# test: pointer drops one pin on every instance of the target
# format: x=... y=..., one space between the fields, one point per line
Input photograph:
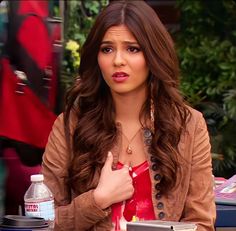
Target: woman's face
x=122 y=62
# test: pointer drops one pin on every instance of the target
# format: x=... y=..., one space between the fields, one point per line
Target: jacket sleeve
x=71 y=213
x=200 y=204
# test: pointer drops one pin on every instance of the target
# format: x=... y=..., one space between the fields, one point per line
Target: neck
x=128 y=107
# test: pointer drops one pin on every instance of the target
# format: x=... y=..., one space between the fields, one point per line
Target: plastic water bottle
x=39 y=201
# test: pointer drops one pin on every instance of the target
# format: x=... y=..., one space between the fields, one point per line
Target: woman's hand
x=113 y=186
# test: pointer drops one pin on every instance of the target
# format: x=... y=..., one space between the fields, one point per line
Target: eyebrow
x=124 y=42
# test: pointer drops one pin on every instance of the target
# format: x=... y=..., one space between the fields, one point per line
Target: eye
x=106 y=50
x=133 y=49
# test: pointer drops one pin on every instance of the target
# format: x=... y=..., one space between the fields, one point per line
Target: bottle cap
x=36 y=177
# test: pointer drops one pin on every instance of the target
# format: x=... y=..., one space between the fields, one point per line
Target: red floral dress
x=140 y=205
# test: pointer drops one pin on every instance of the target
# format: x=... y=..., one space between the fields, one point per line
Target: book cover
x=226 y=215
x=219 y=181
x=226 y=192
x=156 y=225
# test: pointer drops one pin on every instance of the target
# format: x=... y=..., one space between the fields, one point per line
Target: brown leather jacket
x=192 y=200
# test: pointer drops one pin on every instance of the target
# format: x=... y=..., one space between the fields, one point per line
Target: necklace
x=129 y=148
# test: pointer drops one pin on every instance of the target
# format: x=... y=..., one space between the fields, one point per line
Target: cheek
x=138 y=61
x=104 y=68
x=100 y=62
x=141 y=66
x=103 y=63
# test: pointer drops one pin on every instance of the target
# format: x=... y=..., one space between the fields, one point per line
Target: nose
x=119 y=59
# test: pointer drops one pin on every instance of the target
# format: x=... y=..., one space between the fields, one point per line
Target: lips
x=120 y=77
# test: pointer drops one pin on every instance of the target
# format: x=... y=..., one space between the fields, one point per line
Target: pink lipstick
x=120 y=77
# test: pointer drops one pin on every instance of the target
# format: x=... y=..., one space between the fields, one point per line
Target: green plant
x=206 y=45
x=79 y=17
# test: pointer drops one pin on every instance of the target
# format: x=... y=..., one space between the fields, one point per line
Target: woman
x=127 y=145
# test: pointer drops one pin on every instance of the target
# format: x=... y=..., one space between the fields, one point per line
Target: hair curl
x=90 y=98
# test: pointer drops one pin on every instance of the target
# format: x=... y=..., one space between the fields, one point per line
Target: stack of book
x=157 y=225
x=225 y=193
x=225 y=198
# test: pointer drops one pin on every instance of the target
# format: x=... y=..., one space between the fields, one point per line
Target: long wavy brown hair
x=91 y=101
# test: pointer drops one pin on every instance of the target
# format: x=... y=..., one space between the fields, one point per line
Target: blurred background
x=39 y=58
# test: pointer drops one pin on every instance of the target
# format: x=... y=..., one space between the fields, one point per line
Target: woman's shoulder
x=194 y=112
x=60 y=120
x=195 y=119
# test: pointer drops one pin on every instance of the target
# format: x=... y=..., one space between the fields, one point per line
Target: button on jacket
x=191 y=200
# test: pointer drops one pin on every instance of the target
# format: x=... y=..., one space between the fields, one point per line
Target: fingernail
x=109 y=154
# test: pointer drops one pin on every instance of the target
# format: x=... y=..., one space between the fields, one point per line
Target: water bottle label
x=42 y=209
